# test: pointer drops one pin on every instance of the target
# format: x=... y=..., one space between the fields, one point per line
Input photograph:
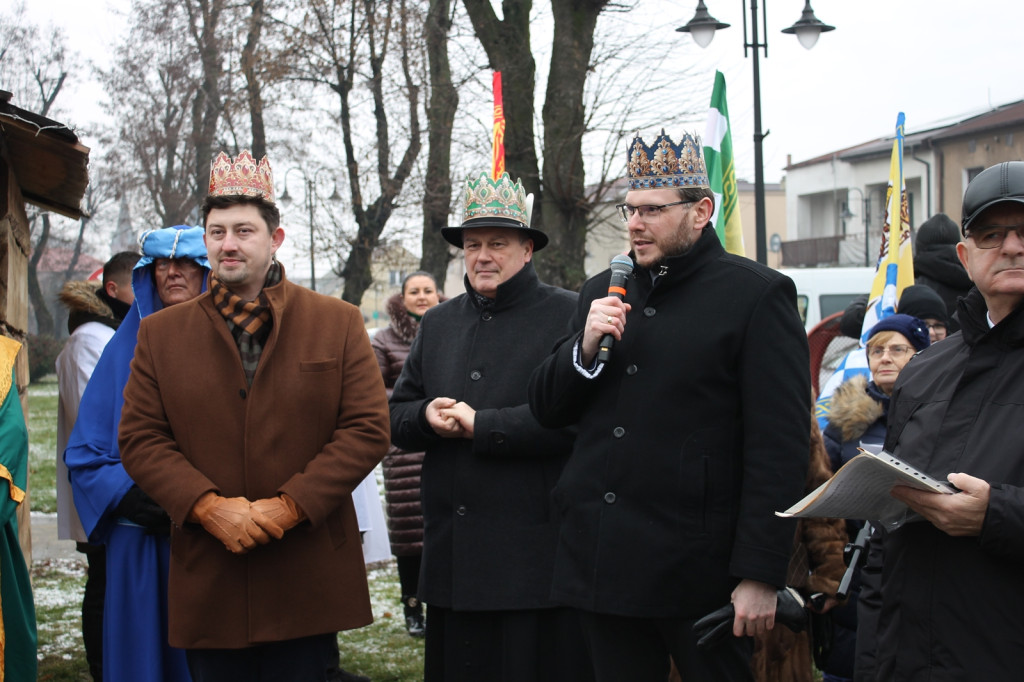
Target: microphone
x=621 y=267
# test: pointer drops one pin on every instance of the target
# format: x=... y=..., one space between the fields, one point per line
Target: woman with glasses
x=858 y=420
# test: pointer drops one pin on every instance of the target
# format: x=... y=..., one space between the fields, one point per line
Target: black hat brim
x=453 y=235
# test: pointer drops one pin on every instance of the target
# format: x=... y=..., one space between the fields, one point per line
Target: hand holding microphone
x=604 y=323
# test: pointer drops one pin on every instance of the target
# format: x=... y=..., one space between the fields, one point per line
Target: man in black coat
x=951 y=586
x=490 y=528
x=690 y=437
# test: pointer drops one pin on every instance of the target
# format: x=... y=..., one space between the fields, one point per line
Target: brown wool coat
x=313 y=424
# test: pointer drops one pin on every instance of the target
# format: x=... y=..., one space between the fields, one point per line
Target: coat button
x=649 y=311
x=475 y=375
x=609 y=498
x=461 y=511
x=618 y=432
x=631 y=370
x=241 y=393
x=486 y=316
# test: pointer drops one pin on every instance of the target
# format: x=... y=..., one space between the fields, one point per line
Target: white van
x=821 y=292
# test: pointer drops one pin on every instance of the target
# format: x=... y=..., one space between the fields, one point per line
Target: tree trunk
x=44 y=320
x=444 y=100
x=566 y=207
x=507 y=44
x=252 y=81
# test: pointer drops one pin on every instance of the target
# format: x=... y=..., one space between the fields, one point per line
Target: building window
x=395 y=278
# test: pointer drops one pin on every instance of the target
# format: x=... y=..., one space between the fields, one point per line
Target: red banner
x=498 y=150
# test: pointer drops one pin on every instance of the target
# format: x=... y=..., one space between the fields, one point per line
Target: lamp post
x=311 y=207
x=702 y=27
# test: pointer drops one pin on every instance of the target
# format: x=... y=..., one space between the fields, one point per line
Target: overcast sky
x=935 y=60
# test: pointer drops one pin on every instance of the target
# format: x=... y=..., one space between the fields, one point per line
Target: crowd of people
x=573 y=481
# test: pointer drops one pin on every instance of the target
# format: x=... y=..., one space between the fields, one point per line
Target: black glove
x=138 y=507
x=714 y=627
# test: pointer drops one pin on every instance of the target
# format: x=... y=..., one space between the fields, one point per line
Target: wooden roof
x=49 y=162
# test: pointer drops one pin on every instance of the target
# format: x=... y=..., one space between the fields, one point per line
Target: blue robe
x=135 y=607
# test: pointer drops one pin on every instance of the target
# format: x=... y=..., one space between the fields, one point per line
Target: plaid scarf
x=249 y=321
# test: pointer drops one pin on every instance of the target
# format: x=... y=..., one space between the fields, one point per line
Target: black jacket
x=952 y=606
x=490 y=529
x=690 y=439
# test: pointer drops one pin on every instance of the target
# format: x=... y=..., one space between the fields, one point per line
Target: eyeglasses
x=993 y=236
x=937 y=326
x=895 y=352
x=647 y=211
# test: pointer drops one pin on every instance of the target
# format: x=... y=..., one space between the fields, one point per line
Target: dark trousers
x=92 y=607
x=409 y=574
x=306 y=659
x=541 y=645
x=638 y=650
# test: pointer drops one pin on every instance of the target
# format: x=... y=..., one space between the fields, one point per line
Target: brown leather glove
x=230 y=520
x=282 y=511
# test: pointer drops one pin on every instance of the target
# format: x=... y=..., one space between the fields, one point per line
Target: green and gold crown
x=666 y=164
x=495 y=203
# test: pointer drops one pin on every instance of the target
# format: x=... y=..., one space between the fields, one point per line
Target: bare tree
x=441 y=108
x=345 y=46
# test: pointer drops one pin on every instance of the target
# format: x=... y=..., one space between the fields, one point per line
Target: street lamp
x=311 y=207
x=702 y=27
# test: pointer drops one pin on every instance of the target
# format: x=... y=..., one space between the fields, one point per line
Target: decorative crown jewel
x=501 y=198
x=241 y=177
x=666 y=164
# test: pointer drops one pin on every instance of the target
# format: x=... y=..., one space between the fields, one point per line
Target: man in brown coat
x=251 y=414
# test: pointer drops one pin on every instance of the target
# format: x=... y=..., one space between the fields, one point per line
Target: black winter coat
x=952 y=606
x=490 y=528
x=690 y=439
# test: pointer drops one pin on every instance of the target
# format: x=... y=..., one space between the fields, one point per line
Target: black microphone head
x=621 y=265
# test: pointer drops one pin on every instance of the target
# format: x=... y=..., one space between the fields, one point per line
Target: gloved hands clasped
x=790 y=610
x=242 y=525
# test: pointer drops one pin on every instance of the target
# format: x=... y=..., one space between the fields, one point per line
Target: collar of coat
x=856 y=405
x=678 y=268
x=510 y=292
x=972 y=314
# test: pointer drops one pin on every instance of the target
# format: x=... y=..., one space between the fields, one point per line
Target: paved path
x=45 y=544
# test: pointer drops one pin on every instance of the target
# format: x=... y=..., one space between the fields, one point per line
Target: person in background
x=490 y=525
x=95 y=310
x=858 y=418
x=402 y=469
x=17 y=611
x=114 y=511
x=936 y=264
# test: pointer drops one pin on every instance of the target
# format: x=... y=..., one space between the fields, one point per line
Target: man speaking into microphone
x=692 y=433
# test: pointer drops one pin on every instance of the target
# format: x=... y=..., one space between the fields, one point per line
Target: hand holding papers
x=860 y=490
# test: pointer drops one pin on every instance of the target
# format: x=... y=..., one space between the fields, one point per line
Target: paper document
x=860 y=489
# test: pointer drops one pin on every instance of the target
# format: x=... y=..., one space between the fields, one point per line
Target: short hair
x=119 y=267
x=696 y=194
x=268 y=211
x=881 y=338
x=418 y=273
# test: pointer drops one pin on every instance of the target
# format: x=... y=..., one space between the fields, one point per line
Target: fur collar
x=81 y=297
x=854 y=409
x=401 y=321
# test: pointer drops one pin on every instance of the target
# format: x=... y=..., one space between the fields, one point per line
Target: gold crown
x=666 y=164
x=241 y=177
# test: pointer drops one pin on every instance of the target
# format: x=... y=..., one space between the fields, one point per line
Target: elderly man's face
x=999 y=272
x=493 y=256
x=177 y=280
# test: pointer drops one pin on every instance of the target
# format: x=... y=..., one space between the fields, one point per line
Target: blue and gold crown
x=666 y=164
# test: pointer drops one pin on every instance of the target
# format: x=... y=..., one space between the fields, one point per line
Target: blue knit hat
x=914 y=329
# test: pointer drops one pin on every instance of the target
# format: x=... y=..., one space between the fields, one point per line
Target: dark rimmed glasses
x=993 y=236
x=646 y=211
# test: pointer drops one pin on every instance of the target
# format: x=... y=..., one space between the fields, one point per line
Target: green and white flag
x=722 y=171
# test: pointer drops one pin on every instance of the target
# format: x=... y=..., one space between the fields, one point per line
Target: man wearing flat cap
x=951 y=586
x=691 y=435
x=490 y=526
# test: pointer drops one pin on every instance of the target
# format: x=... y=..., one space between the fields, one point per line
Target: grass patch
x=42 y=443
